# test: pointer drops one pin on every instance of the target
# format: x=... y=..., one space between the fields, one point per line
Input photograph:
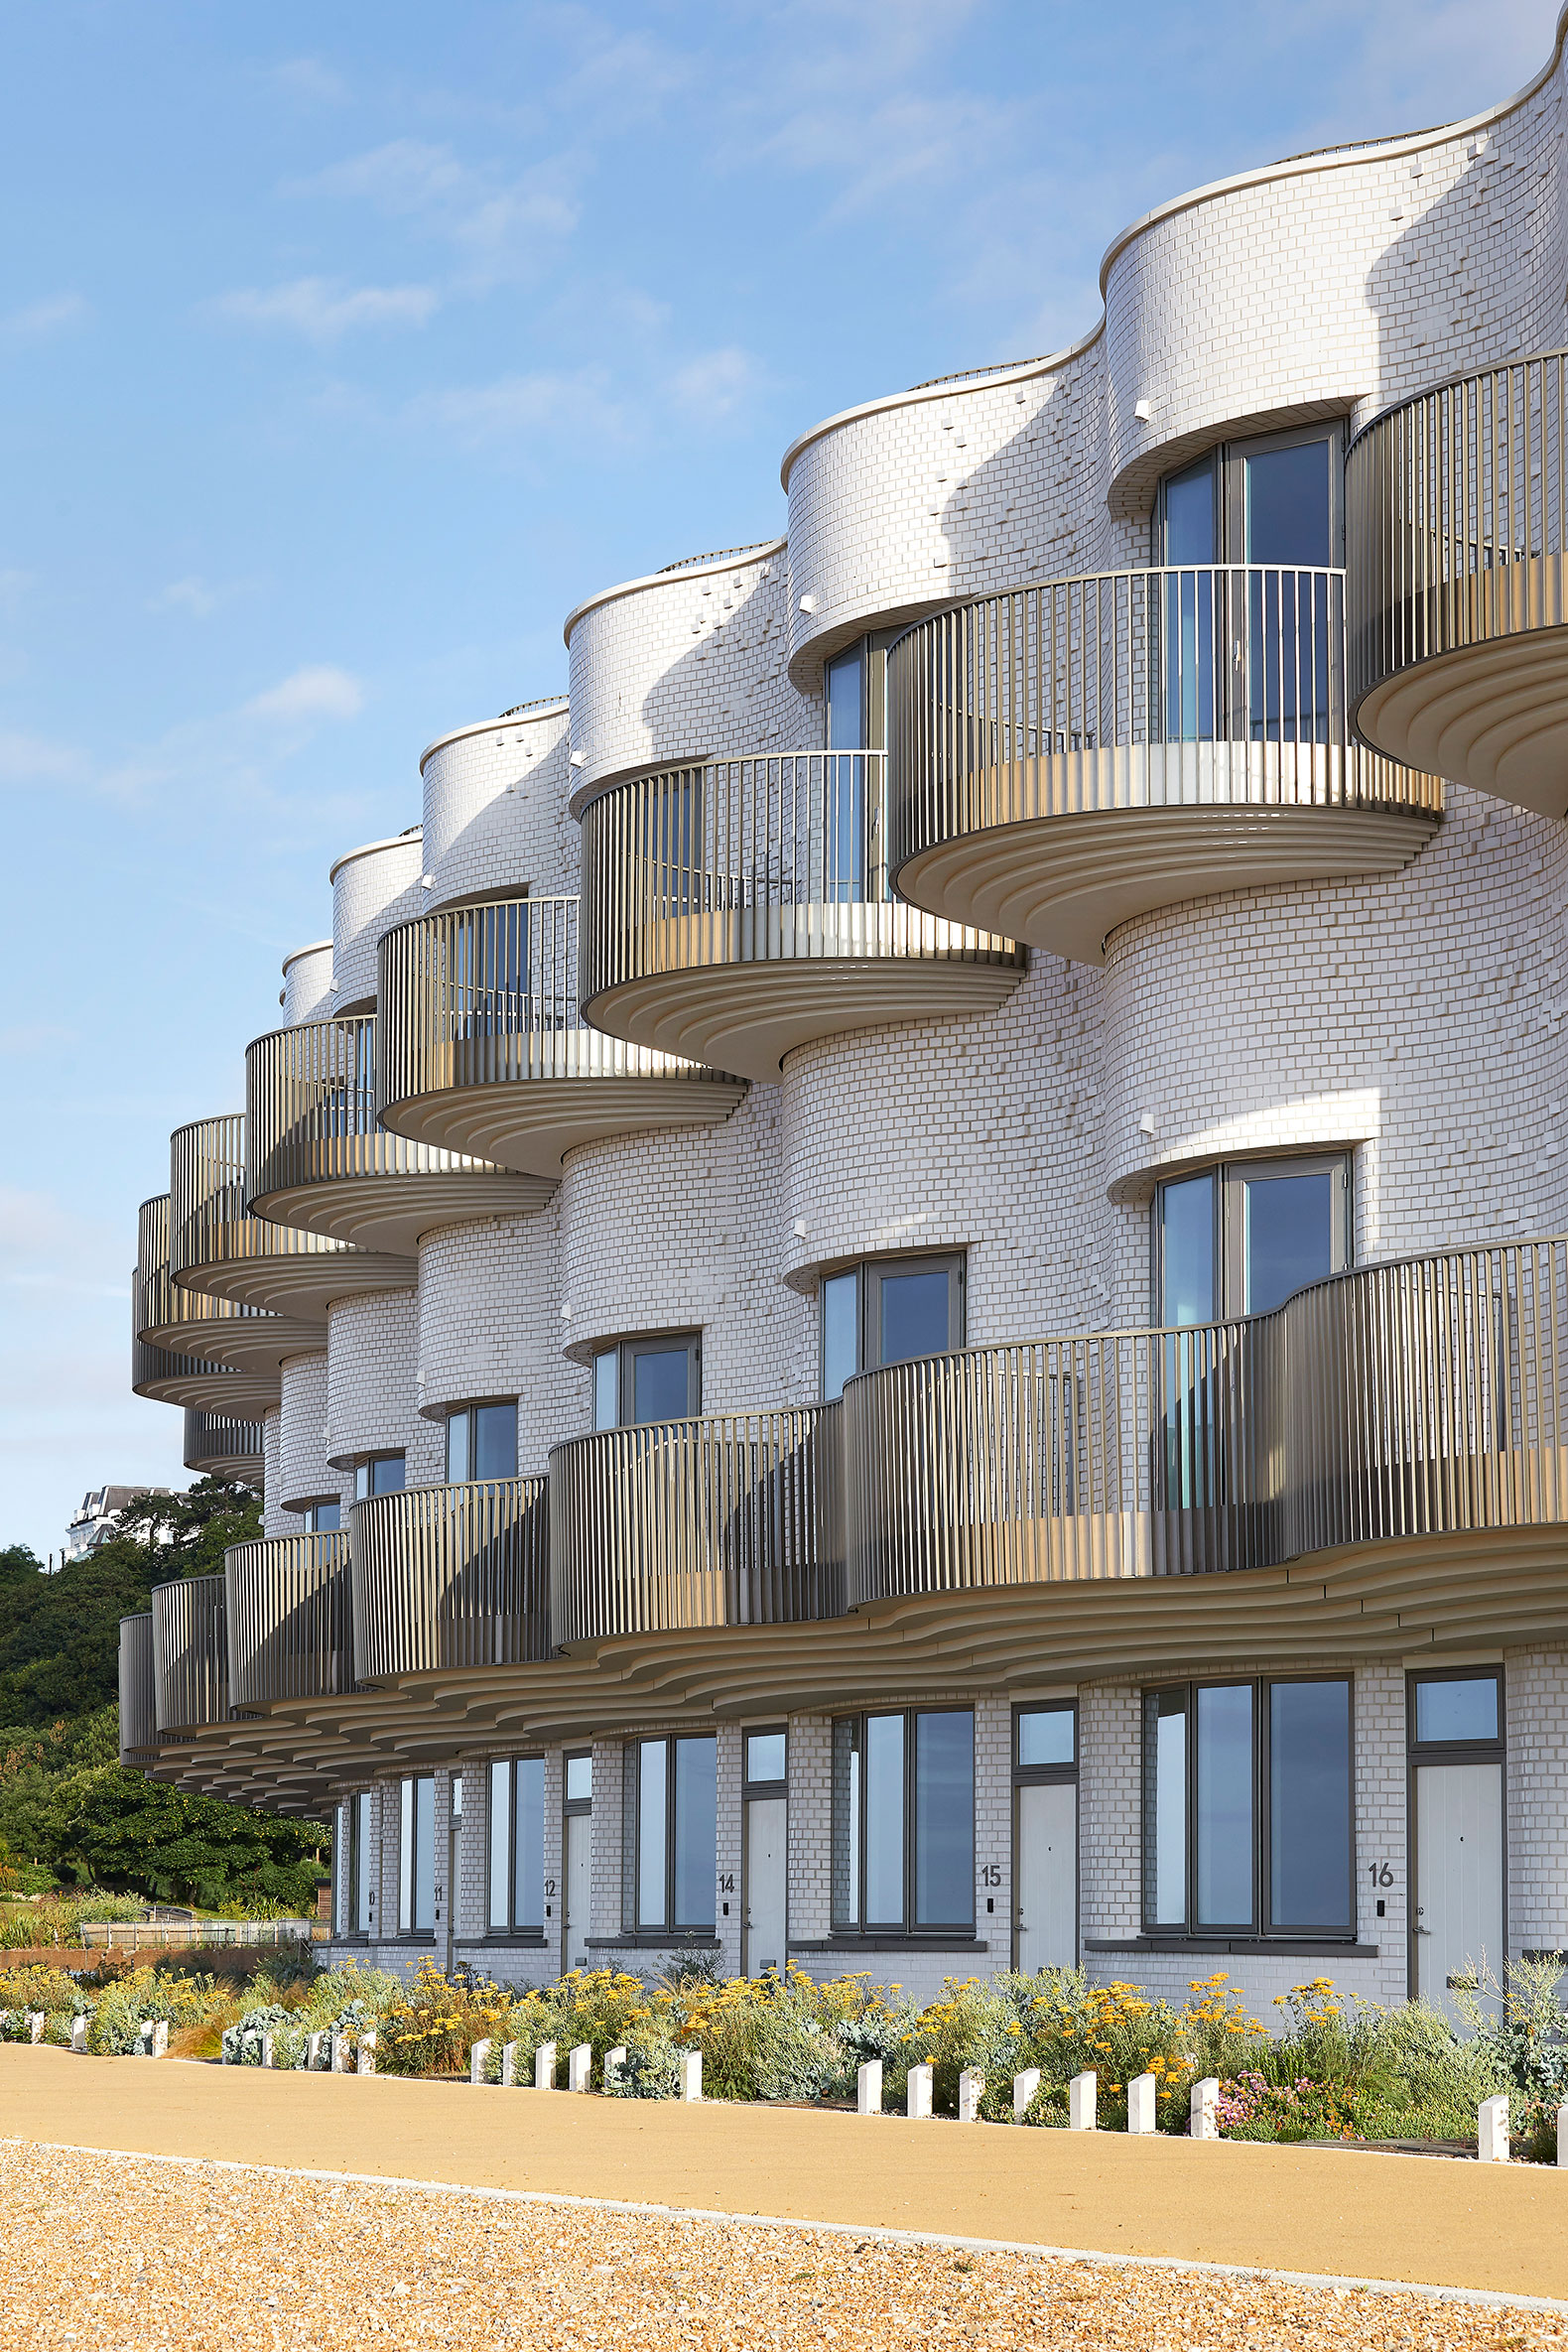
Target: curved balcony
x=319 y=1160
x=1073 y=753
x=137 y=1711
x=219 y=1448
x=289 y=1610
x=1426 y=1397
x=205 y=1353
x=729 y=1519
x=189 y=1645
x=484 y=1048
x=1457 y=520
x=216 y=1246
x=450 y=1576
x=737 y=908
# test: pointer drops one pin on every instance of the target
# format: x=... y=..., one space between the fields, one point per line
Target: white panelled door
x=765 y=1913
x=575 y=1880
x=1458 y=1876
x=1045 y=1875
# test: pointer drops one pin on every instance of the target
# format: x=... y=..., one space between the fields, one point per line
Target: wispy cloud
x=308 y=79
x=322 y=309
x=34 y=759
x=319 y=692
x=499 y=226
x=38 y=321
x=574 y=405
x=196 y=595
x=710 y=387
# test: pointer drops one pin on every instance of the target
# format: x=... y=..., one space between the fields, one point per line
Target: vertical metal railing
x=312 y=1114
x=289 y=1618
x=208 y=1221
x=138 y=1709
x=451 y=1577
x=190 y=1641
x=221 y=1446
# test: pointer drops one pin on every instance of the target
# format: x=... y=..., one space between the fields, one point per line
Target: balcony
x=189 y=1645
x=737 y=908
x=1077 y=752
x=218 y=1246
x=729 y=1519
x=1457 y=517
x=205 y=1353
x=290 y=1619
x=219 y=1448
x=1414 y=1401
x=138 y=1712
x=318 y=1160
x=450 y=1577
x=484 y=1048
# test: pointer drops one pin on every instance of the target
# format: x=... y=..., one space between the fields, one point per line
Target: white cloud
x=321 y=308
x=710 y=386
x=33 y=759
x=36 y=321
x=318 y=691
x=496 y=224
x=311 y=80
x=516 y=407
x=196 y=595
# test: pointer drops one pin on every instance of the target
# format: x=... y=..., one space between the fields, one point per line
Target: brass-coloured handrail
x=450 y=1576
x=189 y=1654
x=208 y=1220
x=727 y=1519
x=138 y=1710
x=311 y=1112
x=290 y=1619
x=221 y=1446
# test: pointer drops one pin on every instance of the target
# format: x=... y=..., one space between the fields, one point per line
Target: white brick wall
x=304 y=1473
x=307 y=985
x=373 y=888
x=371 y=1354
x=495 y=808
x=490 y=1327
x=1535 y=1695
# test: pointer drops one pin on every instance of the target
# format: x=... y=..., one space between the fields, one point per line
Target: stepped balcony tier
x=1076 y=753
x=1422 y=1405
x=319 y=1160
x=726 y=1519
x=137 y=1711
x=219 y=1448
x=451 y=1577
x=215 y=1245
x=189 y=1645
x=205 y=1353
x=484 y=1047
x=737 y=908
x=289 y=1612
x=1457 y=523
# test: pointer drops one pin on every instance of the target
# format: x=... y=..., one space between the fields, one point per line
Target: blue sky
x=344 y=350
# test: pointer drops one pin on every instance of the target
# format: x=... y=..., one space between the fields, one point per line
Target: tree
x=113 y=1828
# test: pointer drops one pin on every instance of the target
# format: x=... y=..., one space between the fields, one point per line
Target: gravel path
x=117 y=2254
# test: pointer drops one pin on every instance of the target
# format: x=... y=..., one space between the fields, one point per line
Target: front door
x=766 y=1920
x=1458 y=1877
x=1046 y=1874
x=575 y=1880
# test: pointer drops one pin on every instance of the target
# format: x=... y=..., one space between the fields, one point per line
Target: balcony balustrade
x=189 y=1645
x=319 y=1160
x=1457 y=523
x=1421 y=1398
x=289 y=1610
x=137 y=1711
x=218 y=1246
x=737 y=908
x=219 y=1448
x=485 y=1049
x=1076 y=753
x=729 y=1520
x=205 y=1353
x=450 y=1577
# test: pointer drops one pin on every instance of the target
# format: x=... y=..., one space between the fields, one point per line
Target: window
x=855 y=694
x=517 y=1846
x=765 y=1761
x=1458 y=1709
x=677 y=1834
x=354 y=1866
x=656 y=1379
x=885 y=1311
x=1247 y=1810
x=580 y=1782
x=322 y=1519
x=415 y=1909
x=382 y=1473
x=1045 y=1739
x=1272 y=501
x=1238 y=1238
x=904 y=1822
x=481 y=1443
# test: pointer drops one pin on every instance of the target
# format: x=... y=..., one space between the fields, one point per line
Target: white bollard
x=35 y=2022
x=869 y=2088
x=160 y=2038
x=479 y=2059
x=508 y=2065
x=1025 y=2086
x=1081 y=2093
x=341 y=2053
x=580 y=2066
x=917 y=2101
x=1491 y=2129
x=691 y=2077
x=266 y=2058
x=1141 y=2103
x=367 y=2054
x=971 y=2085
x=545 y=2067
x=78 y=2033
x=1203 y=2119
x=615 y=2060
x=1562 y=2135
x=314 y=2043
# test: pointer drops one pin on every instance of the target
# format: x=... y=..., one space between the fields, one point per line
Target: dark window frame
x=625 y=1352
x=1226 y=460
x=469 y=1413
x=1442 y=1751
x=664 y=1930
x=308 y=1513
x=1230 y=1230
x=515 y=1930
x=763 y=1731
x=368 y=1465
x=862 y=1928
x=869 y=1274
x=408 y=1862
x=1023 y=1773
x=574 y=1804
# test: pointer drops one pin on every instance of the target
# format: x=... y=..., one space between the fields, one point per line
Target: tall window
x=517 y=1846
x=1238 y=1238
x=658 y=1377
x=415 y=1909
x=382 y=1473
x=481 y=1443
x=353 y=1866
x=887 y=1310
x=1272 y=501
x=1248 y=1808
x=904 y=1822
x=677 y=1834
x=322 y=1519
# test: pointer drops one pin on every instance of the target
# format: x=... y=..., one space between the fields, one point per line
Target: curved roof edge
x=411 y=832
x=674 y=577
x=1328 y=159
x=524 y=715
